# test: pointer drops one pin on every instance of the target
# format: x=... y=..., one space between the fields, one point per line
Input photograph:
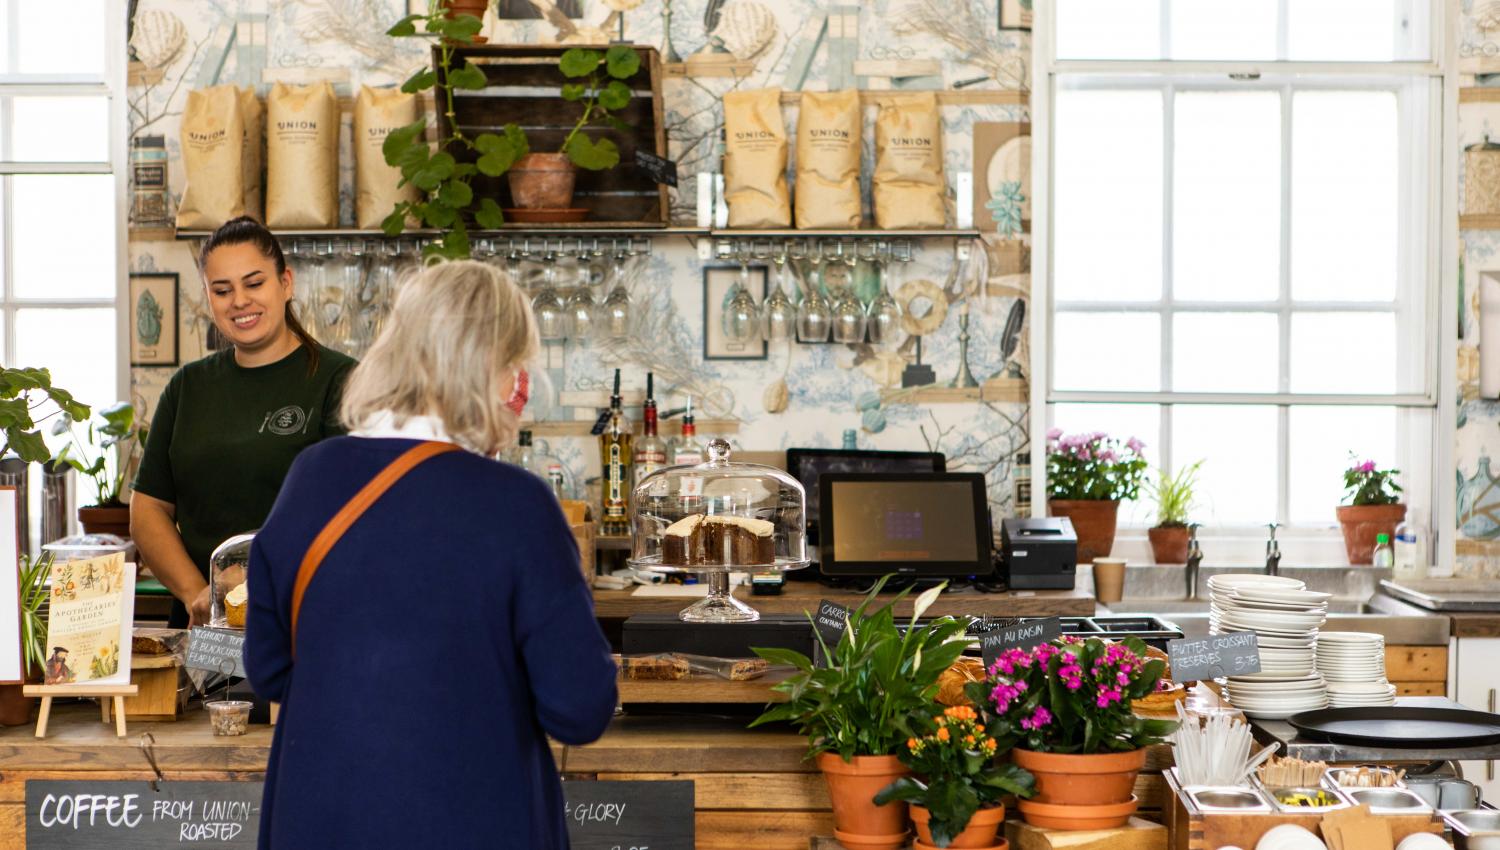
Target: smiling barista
x=228 y=426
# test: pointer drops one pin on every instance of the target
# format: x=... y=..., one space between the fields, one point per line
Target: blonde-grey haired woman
x=416 y=607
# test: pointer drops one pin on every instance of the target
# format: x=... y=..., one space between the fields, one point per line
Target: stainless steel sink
x=1475 y=829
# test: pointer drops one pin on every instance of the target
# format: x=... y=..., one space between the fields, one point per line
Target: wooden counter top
x=1473 y=625
x=800 y=596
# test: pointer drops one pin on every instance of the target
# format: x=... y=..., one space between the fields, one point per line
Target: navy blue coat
x=444 y=637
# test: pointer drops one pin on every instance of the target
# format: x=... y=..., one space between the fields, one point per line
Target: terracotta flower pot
x=477 y=8
x=112 y=520
x=1082 y=780
x=1169 y=544
x=1360 y=524
x=919 y=844
x=15 y=707
x=1093 y=521
x=1075 y=817
x=542 y=181
x=852 y=785
x=979 y=834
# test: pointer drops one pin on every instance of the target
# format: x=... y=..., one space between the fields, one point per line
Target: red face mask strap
x=522 y=392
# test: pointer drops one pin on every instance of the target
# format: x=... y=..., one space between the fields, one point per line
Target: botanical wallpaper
x=799 y=395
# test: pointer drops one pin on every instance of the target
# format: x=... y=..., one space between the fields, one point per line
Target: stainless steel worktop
x=1292 y=744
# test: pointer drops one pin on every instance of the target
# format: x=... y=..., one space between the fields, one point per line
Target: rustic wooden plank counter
x=800 y=596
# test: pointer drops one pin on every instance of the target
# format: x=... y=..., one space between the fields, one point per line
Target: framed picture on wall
x=153 y=318
x=718 y=288
x=1015 y=15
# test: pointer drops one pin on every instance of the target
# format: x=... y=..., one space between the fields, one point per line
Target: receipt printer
x=1038 y=554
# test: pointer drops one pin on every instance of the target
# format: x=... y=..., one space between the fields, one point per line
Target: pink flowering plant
x=1072 y=696
x=1094 y=466
x=1367 y=485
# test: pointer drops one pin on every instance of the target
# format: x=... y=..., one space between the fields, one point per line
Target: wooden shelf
x=580 y=229
x=854 y=233
x=1003 y=390
x=1479 y=222
x=1479 y=94
x=945 y=97
x=153 y=234
x=581 y=428
x=704 y=688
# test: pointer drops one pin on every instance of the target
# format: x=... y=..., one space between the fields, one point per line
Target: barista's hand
x=200 y=611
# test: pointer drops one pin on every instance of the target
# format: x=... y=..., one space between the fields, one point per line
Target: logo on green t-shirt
x=288 y=420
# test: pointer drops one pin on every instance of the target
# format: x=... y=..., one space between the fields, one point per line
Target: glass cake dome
x=227 y=567
x=718 y=518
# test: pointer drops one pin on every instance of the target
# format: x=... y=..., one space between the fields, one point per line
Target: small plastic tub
x=229 y=717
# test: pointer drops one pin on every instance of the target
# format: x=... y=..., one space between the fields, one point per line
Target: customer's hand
x=200 y=612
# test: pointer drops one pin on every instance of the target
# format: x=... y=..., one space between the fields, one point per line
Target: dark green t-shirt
x=224 y=436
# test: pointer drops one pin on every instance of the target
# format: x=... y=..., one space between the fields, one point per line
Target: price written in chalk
x=1196 y=659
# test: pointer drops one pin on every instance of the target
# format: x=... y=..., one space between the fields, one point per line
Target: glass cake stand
x=716 y=519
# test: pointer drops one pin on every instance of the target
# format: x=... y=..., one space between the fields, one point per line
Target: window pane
x=1237 y=444
x=1108 y=29
x=78 y=346
x=1123 y=421
x=1108 y=194
x=1223 y=29
x=1225 y=352
x=1227 y=182
x=60 y=129
x=1344 y=353
x=1344 y=196
x=1358 y=30
x=1107 y=351
x=55 y=262
x=37 y=24
x=1321 y=439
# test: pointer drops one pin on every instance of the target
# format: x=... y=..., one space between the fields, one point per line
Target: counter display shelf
x=799 y=597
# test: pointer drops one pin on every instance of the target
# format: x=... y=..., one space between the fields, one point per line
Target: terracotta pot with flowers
x=1175 y=499
x=1065 y=707
x=955 y=795
x=1374 y=508
x=1087 y=477
x=856 y=709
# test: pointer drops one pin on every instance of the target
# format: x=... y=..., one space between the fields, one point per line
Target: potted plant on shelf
x=21 y=392
x=1374 y=508
x=15 y=706
x=1175 y=499
x=113 y=438
x=1065 y=709
x=956 y=795
x=1087 y=477
x=855 y=709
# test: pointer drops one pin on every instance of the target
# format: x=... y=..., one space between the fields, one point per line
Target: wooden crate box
x=524 y=84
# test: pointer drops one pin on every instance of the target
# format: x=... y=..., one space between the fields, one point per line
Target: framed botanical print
x=1015 y=15
x=153 y=319
x=718 y=289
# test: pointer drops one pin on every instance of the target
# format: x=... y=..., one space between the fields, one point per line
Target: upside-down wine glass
x=548 y=305
x=814 y=314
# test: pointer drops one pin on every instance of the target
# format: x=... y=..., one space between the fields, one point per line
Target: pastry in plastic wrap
x=665 y=666
x=952 y=682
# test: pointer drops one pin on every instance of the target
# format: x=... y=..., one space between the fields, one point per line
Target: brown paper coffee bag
x=302 y=156
x=376 y=113
x=909 y=187
x=212 y=154
x=828 y=150
x=253 y=158
x=755 y=148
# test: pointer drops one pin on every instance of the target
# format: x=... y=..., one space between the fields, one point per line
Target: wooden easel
x=118 y=693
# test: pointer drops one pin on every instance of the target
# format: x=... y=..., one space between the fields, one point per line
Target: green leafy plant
x=446 y=184
x=23 y=392
x=954 y=759
x=1093 y=466
x=113 y=436
x=1174 y=494
x=877 y=675
x=33 y=609
x=1072 y=696
x=1367 y=485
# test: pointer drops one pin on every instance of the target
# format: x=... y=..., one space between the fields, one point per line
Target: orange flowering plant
x=957 y=773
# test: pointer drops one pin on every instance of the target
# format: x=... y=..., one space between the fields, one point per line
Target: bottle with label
x=1021 y=476
x=651 y=452
x=614 y=460
x=555 y=481
x=1410 y=550
x=523 y=455
x=687 y=449
x=1384 y=555
x=851 y=439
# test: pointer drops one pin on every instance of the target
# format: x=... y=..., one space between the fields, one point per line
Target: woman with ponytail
x=228 y=427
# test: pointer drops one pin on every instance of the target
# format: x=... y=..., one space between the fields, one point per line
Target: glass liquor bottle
x=651 y=452
x=614 y=451
x=687 y=449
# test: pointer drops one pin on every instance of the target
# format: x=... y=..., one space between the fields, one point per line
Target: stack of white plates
x=1285 y=617
x=1353 y=664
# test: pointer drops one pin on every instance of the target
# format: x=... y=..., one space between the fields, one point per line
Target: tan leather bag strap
x=351 y=512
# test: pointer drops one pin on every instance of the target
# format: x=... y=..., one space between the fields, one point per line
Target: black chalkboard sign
x=217 y=651
x=87 y=814
x=636 y=815
x=1027 y=635
x=661 y=170
x=830 y=621
x=1196 y=659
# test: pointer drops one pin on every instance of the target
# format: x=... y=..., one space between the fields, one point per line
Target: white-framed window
x=1240 y=249
x=63 y=196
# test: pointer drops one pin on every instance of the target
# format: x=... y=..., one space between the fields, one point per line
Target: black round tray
x=1400 y=726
